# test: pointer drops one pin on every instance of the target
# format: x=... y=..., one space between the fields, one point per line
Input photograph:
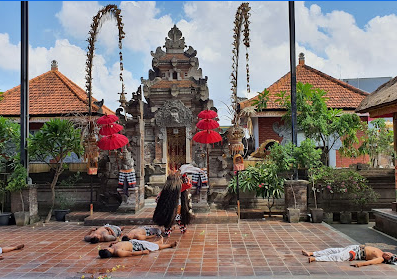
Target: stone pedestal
x=299 y=188
x=33 y=204
x=394 y=206
x=134 y=202
x=200 y=200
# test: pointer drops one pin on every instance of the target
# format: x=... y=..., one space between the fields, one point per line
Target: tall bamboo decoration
x=241 y=33
x=91 y=149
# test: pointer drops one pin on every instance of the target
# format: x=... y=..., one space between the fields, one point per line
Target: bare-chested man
x=103 y=234
x=9 y=249
x=142 y=233
x=370 y=255
x=133 y=247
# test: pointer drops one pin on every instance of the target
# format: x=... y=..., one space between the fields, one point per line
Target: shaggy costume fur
x=167 y=205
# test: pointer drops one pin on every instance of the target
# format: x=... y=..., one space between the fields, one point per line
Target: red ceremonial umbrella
x=107 y=119
x=112 y=142
x=207 y=124
x=110 y=129
x=207 y=136
x=207 y=114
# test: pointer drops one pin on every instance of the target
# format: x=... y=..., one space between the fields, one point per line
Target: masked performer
x=173 y=204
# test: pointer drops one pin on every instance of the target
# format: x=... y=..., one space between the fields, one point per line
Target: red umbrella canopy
x=112 y=142
x=207 y=114
x=207 y=136
x=110 y=129
x=207 y=124
x=107 y=119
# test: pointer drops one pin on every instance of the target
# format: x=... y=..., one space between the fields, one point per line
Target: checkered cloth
x=130 y=176
x=197 y=176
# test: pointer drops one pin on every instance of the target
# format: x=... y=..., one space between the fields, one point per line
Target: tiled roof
x=185 y=83
x=382 y=96
x=51 y=93
x=178 y=56
x=340 y=94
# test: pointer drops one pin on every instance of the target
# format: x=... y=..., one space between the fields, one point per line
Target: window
x=174 y=75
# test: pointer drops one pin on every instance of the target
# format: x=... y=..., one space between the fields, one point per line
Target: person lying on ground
x=133 y=247
x=103 y=234
x=9 y=249
x=370 y=255
x=142 y=233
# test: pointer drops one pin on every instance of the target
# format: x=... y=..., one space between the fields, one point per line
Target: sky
x=345 y=39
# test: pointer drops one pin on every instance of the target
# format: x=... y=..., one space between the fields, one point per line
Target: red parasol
x=207 y=124
x=107 y=119
x=112 y=142
x=207 y=114
x=207 y=136
x=109 y=129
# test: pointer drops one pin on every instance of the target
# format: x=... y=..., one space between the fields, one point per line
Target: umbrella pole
x=208 y=169
x=91 y=205
x=238 y=196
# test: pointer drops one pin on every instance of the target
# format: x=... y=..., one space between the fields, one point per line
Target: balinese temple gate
x=161 y=129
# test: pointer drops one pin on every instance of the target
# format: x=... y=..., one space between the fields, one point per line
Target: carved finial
x=54 y=65
x=175 y=43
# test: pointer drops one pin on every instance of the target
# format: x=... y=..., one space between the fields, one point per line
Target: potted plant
x=56 y=139
x=362 y=194
x=63 y=204
x=4 y=216
x=309 y=158
x=261 y=179
x=17 y=183
x=284 y=159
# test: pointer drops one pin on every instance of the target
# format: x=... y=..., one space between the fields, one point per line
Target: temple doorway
x=176 y=148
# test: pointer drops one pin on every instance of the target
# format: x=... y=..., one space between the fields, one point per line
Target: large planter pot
x=362 y=217
x=5 y=218
x=328 y=217
x=21 y=218
x=317 y=215
x=60 y=214
x=293 y=215
x=345 y=217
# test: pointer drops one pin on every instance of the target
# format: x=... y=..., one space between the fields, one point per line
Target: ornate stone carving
x=127 y=162
x=283 y=131
x=173 y=114
x=158 y=54
x=175 y=39
x=191 y=52
x=149 y=152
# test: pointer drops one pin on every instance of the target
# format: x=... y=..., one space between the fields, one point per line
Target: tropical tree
x=9 y=139
x=324 y=125
x=378 y=140
x=55 y=140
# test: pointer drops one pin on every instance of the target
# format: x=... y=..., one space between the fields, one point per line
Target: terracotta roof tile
x=51 y=93
x=168 y=83
x=340 y=94
x=178 y=56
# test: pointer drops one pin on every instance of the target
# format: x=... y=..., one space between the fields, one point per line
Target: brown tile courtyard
x=250 y=248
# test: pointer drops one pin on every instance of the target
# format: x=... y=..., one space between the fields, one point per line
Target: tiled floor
x=144 y=216
x=250 y=248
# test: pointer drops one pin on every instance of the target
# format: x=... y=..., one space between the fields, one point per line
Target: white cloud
x=332 y=43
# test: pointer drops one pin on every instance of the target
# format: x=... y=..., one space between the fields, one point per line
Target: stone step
x=144 y=217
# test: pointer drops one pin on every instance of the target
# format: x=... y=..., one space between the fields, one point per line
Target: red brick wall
x=266 y=132
x=344 y=162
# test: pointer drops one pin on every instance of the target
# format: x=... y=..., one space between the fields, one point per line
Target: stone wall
x=381 y=180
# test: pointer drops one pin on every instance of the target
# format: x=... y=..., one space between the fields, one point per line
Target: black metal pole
x=294 y=126
x=24 y=83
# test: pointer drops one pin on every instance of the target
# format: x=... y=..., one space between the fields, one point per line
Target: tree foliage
x=324 y=125
x=9 y=139
x=56 y=139
x=378 y=140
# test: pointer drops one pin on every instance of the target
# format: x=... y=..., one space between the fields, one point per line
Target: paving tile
x=249 y=248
